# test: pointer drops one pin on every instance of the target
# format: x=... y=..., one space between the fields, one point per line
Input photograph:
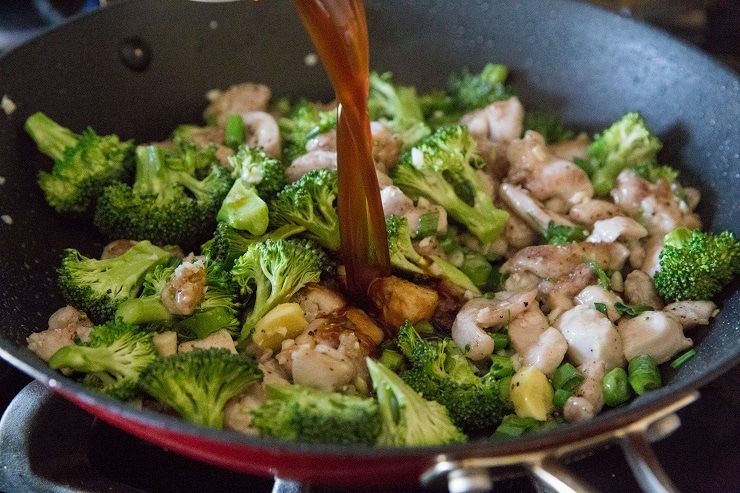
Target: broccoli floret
x=471 y=91
x=83 y=164
x=310 y=202
x=398 y=108
x=228 y=243
x=305 y=414
x=561 y=234
x=627 y=143
x=696 y=265
x=197 y=384
x=253 y=166
x=218 y=309
x=404 y=257
x=442 y=168
x=548 y=125
x=168 y=203
x=271 y=271
x=303 y=122
x=440 y=371
x=97 y=287
x=408 y=419
x=655 y=172
x=112 y=360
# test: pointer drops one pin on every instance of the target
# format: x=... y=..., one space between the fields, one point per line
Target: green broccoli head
x=253 y=166
x=398 y=107
x=218 y=308
x=304 y=121
x=305 y=414
x=310 y=202
x=197 y=384
x=402 y=253
x=271 y=271
x=97 y=287
x=408 y=419
x=83 y=164
x=627 y=143
x=471 y=91
x=229 y=243
x=112 y=360
x=167 y=204
x=442 y=168
x=440 y=371
x=696 y=265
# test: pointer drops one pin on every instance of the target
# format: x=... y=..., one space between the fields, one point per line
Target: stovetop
x=48 y=445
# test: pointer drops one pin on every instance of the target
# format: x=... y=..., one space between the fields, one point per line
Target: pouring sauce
x=338 y=29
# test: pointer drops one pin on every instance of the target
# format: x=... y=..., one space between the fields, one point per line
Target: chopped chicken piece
x=237 y=99
x=116 y=248
x=526 y=329
x=65 y=325
x=640 y=290
x=262 y=130
x=479 y=314
x=561 y=293
x=545 y=175
x=617 y=228
x=186 y=288
x=596 y=294
x=588 y=398
x=322 y=367
x=692 y=313
x=530 y=210
x=654 y=333
x=590 y=211
x=318 y=301
x=386 y=147
x=553 y=261
x=591 y=336
x=238 y=410
x=219 y=339
x=570 y=149
x=318 y=159
x=548 y=352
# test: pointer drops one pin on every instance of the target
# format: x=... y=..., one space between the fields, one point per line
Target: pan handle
x=548 y=469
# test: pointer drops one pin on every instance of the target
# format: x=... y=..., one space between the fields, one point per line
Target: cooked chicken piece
x=318 y=159
x=219 y=339
x=518 y=233
x=554 y=261
x=238 y=410
x=590 y=211
x=493 y=127
x=186 y=288
x=318 y=301
x=617 y=228
x=639 y=289
x=64 y=326
x=116 y=248
x=591 y=336
x=548 y=352
x=526 y=329
x=321 y=367
x=543 y=174
x=588 y=398
x=469 y=330
x=570 y=149
x=596 y=294
x=262 y=130
x=654 y=333
x=530 y=210
x=653 y=246
x=398 y=300
x=326 y=141
x=237 y=99
x=560 y=294
x=692 y=313
x=386 y=147
x=653 y=204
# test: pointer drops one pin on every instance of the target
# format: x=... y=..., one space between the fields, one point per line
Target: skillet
x=140 y=67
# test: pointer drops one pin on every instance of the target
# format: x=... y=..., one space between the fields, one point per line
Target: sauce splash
x=338 y=29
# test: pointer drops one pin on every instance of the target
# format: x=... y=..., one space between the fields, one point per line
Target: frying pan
x=140 y=67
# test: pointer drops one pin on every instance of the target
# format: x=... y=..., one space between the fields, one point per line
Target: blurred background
x=712 y=25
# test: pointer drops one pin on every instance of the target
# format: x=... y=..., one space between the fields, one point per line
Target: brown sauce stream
x=338 y=29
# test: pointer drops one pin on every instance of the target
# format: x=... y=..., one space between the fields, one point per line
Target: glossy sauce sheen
x=338 y=29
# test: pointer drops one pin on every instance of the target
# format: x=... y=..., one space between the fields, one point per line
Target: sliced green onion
x=560 y=397
x=501 y=366
x=603 y=277
x=566 y=377
x=683 y=358
x=234 y=131
x=643 y=374
x=477 y=268
x=500 y=340
x=601 y=307
x=631 y=310
x=391 y=359
x=514 y=426
x=615 y=387
x=427 y=224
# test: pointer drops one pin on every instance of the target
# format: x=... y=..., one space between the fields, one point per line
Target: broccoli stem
x=51 y=138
